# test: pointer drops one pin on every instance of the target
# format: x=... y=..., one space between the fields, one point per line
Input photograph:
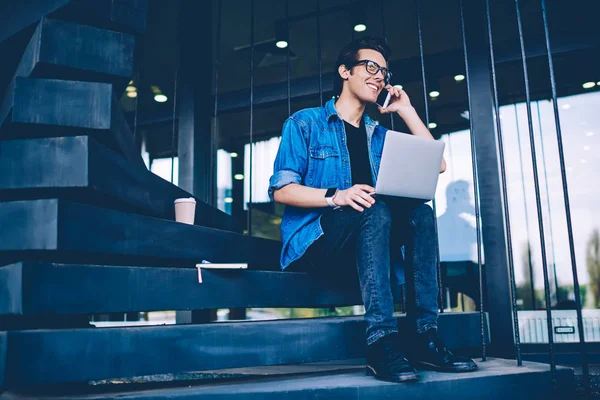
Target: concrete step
x=80 y=169
x=58 y=230
x=59 y=108
x=35 y=288
x=43 y=356
x=495 y=379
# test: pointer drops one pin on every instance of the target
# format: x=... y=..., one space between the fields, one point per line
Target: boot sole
x=407 y=377
x=433 y=367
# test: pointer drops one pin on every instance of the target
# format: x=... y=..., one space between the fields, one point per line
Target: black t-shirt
x=360 y=164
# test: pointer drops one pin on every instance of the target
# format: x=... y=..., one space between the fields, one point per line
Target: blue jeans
x=369 y=240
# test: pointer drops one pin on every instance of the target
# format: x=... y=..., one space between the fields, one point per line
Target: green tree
x=526 y=291
x=593 y=265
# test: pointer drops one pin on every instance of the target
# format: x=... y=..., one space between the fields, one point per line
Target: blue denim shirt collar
x=330 y=111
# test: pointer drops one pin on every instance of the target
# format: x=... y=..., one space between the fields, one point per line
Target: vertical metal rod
x=441 y=302
x=475 y=188
x=251 y=114
x=174 y=120
x=539 y=115
x=584 y=362
x=289 y=72
x=385 y=39
x=319 y=55
x=511 y=266
x=532 y=289
x=213 y=152
x=537 y=197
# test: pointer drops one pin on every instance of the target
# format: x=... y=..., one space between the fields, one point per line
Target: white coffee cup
x=185 y=210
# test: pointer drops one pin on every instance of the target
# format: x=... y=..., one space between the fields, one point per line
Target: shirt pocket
x=323 y=166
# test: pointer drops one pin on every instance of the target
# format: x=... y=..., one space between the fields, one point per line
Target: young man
x=325 y=172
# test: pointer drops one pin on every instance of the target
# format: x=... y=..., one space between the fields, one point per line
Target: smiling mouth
x=373 y=87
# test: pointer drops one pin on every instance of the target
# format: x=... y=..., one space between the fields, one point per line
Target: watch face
x=330 y=192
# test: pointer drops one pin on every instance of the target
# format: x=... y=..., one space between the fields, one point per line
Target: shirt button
x=347 y=182
x=345 y=160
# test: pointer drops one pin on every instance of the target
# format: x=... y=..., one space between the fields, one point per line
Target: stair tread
x=496 y=378
x=51 y=230
x=81 y=169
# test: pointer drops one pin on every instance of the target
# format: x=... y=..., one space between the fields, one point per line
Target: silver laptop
x=410 y=166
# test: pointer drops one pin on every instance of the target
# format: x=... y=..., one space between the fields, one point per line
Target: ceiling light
x=360 y=27
x=282 y=44
x=238 y=177
x=233 y=154
x=565 y=106
x=399 y=87
x=459 y=77
x=432 y=125
x=228 y=200
x=598 y=83
x=131 y=88
x=589 y=85
x=160 y=98
x=589 y=134
x=433 y=94
x=132 y=95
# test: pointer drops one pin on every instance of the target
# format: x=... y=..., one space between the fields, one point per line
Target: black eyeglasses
x=373 y=68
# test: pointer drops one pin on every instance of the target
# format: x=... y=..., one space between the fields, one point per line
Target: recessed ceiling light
x=589 y=134
x=132 y=95
x=586 y=148
x=160 y=98
x=565 y=106
x=432 y=125
x=434 y=93
x=131 y=88
x=228 y=200
x=238 y=177
x=360 y=27
x=399 y=87
x=282 y=44
x=233 y=154
x=459 y=77
x=589 y=85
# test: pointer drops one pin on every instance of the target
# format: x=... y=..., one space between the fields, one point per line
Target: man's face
x=362 y=84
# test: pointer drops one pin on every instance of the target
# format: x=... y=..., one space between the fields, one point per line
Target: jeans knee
x=422 y=215
x=379 y=213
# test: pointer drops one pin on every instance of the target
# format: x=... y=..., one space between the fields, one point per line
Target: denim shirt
x=313 y=153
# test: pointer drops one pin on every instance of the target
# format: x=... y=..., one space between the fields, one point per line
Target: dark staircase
x=86 y=229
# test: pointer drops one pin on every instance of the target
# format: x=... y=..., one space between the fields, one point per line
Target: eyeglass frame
x=386 y=77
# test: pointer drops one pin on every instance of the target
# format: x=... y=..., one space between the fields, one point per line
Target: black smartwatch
x=329 y=196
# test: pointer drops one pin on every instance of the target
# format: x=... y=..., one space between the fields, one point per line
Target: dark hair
x=349 y=55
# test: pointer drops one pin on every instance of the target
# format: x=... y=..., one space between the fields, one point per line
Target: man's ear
x=344 y=72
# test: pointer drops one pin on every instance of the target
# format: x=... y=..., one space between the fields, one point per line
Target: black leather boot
x=428 y=352
x=386 y=362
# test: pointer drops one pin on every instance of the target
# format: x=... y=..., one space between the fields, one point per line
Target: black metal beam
x=80 y=169
x=64 y=231
x=481 y=114
x=52 y=356
x=49 y=107
x=195 y=102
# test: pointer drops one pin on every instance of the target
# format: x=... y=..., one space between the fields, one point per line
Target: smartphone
x=385 y=102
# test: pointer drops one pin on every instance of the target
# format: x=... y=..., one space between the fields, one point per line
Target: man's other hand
x=357 y=197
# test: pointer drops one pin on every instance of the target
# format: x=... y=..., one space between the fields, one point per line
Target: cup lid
x=185 y=200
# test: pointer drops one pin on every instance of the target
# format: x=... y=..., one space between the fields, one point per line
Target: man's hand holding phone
x=357 y=197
